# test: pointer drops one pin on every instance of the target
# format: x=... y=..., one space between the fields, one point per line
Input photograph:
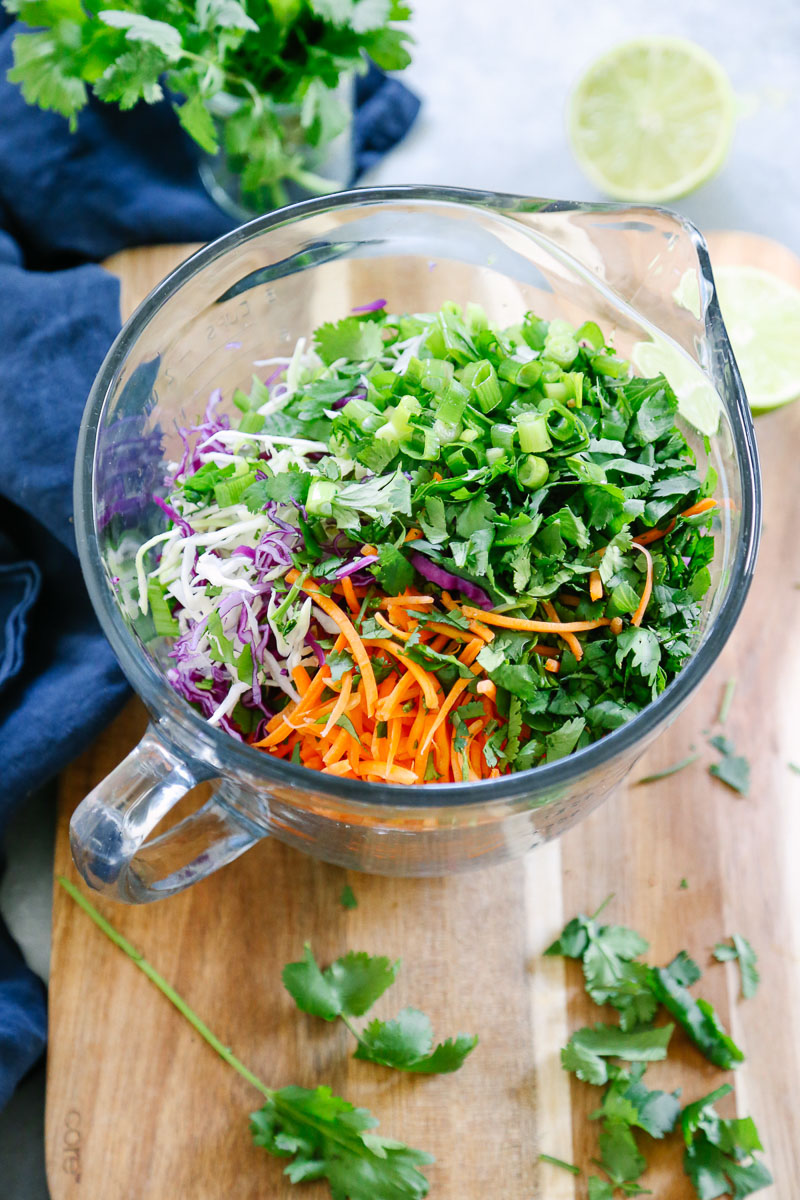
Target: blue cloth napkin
x=124 y=179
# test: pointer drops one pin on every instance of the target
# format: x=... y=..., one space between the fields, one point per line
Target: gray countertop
x=494 y=79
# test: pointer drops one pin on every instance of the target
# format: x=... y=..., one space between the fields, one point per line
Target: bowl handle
x=110 y=827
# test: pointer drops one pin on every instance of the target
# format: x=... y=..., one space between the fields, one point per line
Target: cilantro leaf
x=612 y=977
x=734 y=770
x=743 y=952
x=339 y=662
x=405 y=1044
x=348 y=987
x=563 y=741
x=620 y=1157
x=292 y=485
x=629 y=1100
x=328 y=1138
x=349 y=338
x=393 y=570
x=348 y=897
x=600 y=1189
x=697 y=1017
x=720 y=1157
x=643 y=647
x=139 y=28
x=588 y=1048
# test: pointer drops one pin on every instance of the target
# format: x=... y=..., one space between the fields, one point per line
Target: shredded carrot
x=393 y=774
x=413 y=535
x=616 y=625
x=341 y=704
x=534 y=626
x=350 y=595
x=647 y=590
x=552 y=665
x=438 y=644
x=653 y=535
x=569 y=638
x=332 y=610
x=367 y=549
x=404 y=601
x=595 y=586
x=471 y=652
x=302 y=679
x=547 y=651
x=568 y=601
x=450 y=631
x=437 y=476
x=487 y=688
x=481 y=631
x=448 y=601
x=444 y=709
x=395 y=632
x=425 y=681
x=390 y=705
x=338 y=768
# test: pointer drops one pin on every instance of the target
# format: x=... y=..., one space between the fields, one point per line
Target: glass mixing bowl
x=642 y=273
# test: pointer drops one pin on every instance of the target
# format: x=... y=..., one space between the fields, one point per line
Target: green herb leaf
x=328 y=1138
x=697 y=1017
x=348 y=898
x=405 y=1044
x=588 y=1049
x=734 y=770
x=349 y=338
x=393 y=570
x=743 y=952
x=720 y=1155
x=348 y=987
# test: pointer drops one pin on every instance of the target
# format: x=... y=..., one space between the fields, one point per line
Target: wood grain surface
x=139 y=1108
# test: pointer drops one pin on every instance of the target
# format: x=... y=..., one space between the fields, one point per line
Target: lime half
x=762 y=315
x=652 y=119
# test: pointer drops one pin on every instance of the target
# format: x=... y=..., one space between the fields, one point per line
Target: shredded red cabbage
x=445 y=579
x=373 y=306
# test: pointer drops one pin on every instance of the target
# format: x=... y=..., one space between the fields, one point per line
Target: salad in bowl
x=431 y=549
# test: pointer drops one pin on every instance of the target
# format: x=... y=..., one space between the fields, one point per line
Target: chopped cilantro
x=720 y=1157
x=559 y=1162
x=742 y=952
x=347 y=899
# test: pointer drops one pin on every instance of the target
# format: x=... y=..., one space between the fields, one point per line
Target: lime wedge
x=762 y=315
x=698 y=403
x=652 y=119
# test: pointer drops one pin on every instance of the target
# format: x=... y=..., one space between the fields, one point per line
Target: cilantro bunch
x=253 y=60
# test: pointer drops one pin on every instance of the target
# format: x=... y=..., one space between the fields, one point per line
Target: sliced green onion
x=452 y=403
x=414 y=371
x=494 y=454
x=230 y=491
x=503 y=436
x=560 y=348
x=165 y=624
x=591 y=333
x=556 y=391
x=321 y=494
x=533 y=433
x=251 y=422
x=529 y=374
x=609 y=364
x=532 y=471
x=486 y=387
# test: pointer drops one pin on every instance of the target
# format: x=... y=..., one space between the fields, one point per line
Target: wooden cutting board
x=139 y=1108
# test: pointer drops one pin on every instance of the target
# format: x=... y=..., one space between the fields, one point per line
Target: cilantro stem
x=727 y=701
x=605 y=904
x=153 y=975
x=672 y=770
